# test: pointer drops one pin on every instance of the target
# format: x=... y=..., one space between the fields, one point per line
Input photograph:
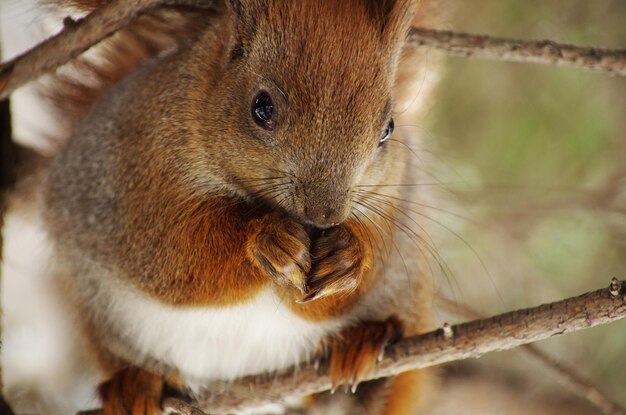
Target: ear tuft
x=77 y=5
x=391 y=16
x=246 y=14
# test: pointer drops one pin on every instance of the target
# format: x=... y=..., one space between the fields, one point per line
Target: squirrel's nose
x=324 y=203
x=324 y=216
x=320 y=217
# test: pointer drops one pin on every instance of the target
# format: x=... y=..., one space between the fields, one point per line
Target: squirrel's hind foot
x=132 y=391
x=357 y=350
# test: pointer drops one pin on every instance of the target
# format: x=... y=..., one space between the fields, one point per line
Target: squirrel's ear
x=392 y=16
x=245 y=14
x=236 y=7
x=247 y=9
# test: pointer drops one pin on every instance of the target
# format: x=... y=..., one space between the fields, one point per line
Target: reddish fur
x=211 y=235
x=84 y=5
x=79 y=84
x=210 y=251
x=208 y=259
x=405 y=394
x=134 y=389
x=355 y=351
x=352 y=263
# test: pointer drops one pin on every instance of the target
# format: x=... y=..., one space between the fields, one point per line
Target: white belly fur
x=218 y=343
x=46 y=371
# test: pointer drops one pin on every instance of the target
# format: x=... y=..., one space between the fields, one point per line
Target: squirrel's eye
x=387 y=133
x=263 y=110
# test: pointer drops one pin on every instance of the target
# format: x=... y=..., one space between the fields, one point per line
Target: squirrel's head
x=295 y=107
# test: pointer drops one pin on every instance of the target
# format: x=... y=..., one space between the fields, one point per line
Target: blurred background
x=532 y=162
x=531 y=165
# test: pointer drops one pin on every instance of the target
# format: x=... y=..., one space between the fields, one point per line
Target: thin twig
x=514 y=50
x=468 y=340
x=579 y=386
x=78 y=36
x=176 y=406
x=565 y=374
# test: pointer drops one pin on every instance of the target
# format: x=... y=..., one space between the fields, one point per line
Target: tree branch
x=78 y=36
x=450 y=343
x=565 y=374
x=462 y=341
x=513 y=50
x=576 y=383
x=455 y=343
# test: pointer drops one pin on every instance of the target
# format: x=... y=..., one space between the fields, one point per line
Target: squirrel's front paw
x=280 y=248
x=339 y=261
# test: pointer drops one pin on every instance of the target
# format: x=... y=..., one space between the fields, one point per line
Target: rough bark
x=78 y=36
x=515 y=50
x=450 y=343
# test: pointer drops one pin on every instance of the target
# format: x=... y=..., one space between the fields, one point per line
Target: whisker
x=406 y=269
x=392 y=220
x=406 y=184
x=275 y=188
x=375 y=246
x=429 y=243
x=380 y=231
x=245 y=180
x=432 y=154
x=420 y=162
x=397 y=209
x=377 y=228
x=466 y=243
x=439 y=209
x=271 y=194
x=416 y=238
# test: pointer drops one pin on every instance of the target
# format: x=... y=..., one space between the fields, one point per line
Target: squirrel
x=230 y=206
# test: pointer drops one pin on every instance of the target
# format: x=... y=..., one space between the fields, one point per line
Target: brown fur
x=74 y=89
x=83 y=5
x=132 y=388
x=406 y=394
x=182 y=240
x=341 y=273
x=170 y=184
x=356 y=350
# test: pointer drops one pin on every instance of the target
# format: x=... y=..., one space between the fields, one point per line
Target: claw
x=281 y=250
x=381 y=353
x=313 y=295
x=354 y=384
x=317 y=363
x=357 y=350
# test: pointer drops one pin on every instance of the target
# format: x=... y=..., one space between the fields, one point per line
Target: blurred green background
x=535 y=159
